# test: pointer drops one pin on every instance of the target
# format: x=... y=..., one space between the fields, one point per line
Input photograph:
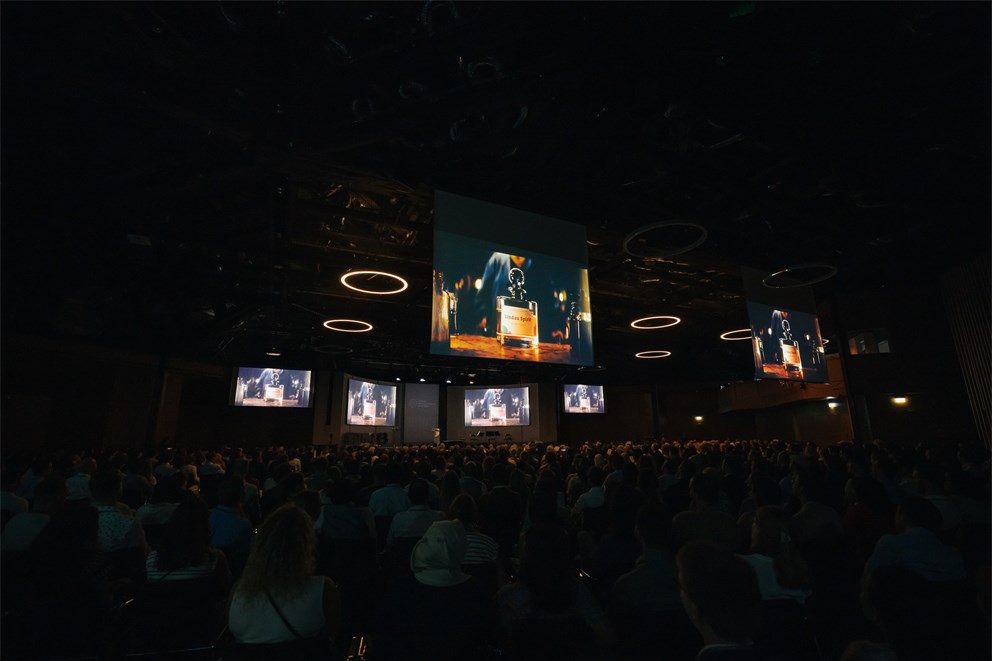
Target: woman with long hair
x=782 y=572
x=278 y=599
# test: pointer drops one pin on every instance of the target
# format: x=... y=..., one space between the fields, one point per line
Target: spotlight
x=402 y=284
x=447 y=380
x=422 y=380
x=654 y=353
x=341 y=325
x=667 y=320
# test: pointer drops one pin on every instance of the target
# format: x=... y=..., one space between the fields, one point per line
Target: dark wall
x=629 y=417
x=60 y=395
x=922 y=365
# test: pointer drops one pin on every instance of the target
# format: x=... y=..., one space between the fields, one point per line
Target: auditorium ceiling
x=192 y=179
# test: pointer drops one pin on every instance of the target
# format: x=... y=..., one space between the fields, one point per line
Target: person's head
x=419 y=492
x=771 y=536
x=917 y=512
x=309 y=501
x=49 y=495
x=106 y=486
x=720 y=593
x=547 y=566
x=704 y=489
x=186 y=537
x=230 y=491
x=500 y=474
x=394 y=472
x=282 y=557
x=596 y=476
x=765 y=491
x=437 y=557
x=464 y=509
x=654 y=527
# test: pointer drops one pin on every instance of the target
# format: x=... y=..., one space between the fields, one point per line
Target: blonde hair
x=283 y=555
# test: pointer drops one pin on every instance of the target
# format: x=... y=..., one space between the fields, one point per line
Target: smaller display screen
x=371 y=403
x=497 y=407
x=271 y=386
x=580 y=398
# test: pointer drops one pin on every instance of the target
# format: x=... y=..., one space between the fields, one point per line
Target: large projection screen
x=509 y=285
x=497 y=407
x=271 y=387
x=582 y=398
x=786 y=344
x=371 y=404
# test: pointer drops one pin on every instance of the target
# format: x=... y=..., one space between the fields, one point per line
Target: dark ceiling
x=193 y=178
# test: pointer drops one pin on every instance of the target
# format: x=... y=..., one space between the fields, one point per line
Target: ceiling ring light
x=829 y=271
x=671 y=252
x=336 y=325
x=403 y=284
x=635 y=322
x=740 y=332
x=654 y=353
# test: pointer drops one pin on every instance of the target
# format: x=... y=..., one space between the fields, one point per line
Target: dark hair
x=230 y=491
x=654 y=526
x=706 y=486
x=596 y=475
x=920 y=512
x=419 y=491
x=464 y=509
x=723 y=588
x=766 y=491
x=186 y=537
x=547 y=567
x=106 y=484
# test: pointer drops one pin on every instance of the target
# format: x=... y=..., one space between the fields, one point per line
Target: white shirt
x=764 y=568
x=412 y=523
x=595 y=497
x=389 y=500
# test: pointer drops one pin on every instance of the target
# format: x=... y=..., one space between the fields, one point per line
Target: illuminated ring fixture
x=668 y=253
x=735 y=335
x=674 y=321
x=828 y=272
x=403 y=284
x=654 y=353
x=335 y=325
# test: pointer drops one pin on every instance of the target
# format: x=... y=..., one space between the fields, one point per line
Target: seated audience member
x=705 y=521
x=501 y=511
x=118 y=529
x=23 y=529
x=415 y=521
x=549 y=588
x=470 y=481
x=184 y=552
x=391 y=498
x=77 y=485
x=170 y=490
x=339 y=519
x=480 y=548
x=814 y=521
x=596 y=495
x=763 y=491
x=213 y=465
x=251 y=500
x=450 y=488
x=929 y=481
x=309 y=501
x=422 y=469
x=291 y=484
x=916 y=547
x=438 y=612
x=721 y=597
x=780 y=570
x=869 y=516
x=164 y=467
x=278 y=599
x=40 y=468
x=230 y=529
x=864 y=650
x=139 y=482
x=650 y=586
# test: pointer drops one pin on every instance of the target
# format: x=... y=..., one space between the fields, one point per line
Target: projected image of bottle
x=368 y=406
x=790 y=349
x=584 y=398
x=516 y=317
x=497 y=408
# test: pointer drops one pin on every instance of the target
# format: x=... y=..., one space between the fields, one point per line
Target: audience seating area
x=565 y=551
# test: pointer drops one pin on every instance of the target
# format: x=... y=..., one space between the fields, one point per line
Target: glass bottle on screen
x=790 y=349
x=516 y=317
x=368 y=406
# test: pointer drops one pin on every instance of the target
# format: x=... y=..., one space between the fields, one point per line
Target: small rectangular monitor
x=497 y=407
x=786 y=344
x=271 y=387
x=370 y=403
x=581 y=398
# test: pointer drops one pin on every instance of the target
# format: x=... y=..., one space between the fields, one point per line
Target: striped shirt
x=154 y=574
x=481 y=549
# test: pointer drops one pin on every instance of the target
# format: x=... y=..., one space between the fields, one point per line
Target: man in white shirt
x=916 y=547
x=392 y=498
x=415 y=521
x=596 y=496
x=117 y=530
